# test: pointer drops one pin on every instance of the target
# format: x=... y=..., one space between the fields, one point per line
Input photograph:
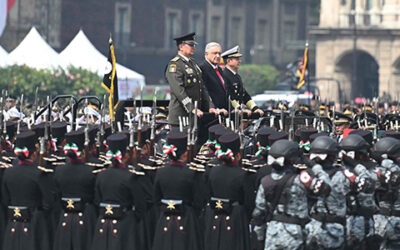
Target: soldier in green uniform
x=184 y=78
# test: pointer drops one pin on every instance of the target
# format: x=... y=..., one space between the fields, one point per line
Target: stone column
x=390 y=13
x=375 y=13
x=360 y=11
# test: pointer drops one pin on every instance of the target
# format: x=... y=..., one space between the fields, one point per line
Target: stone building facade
x=268 y=31
x=358 y=49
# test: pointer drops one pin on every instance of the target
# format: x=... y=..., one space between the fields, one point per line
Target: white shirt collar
x=233 y=72
x=184 y=57
x=212 y=65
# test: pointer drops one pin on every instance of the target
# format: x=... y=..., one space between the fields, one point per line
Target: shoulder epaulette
x=175 y=59
x=98 y=170
x=260 y=165
x=156 y=161
x=5 y=165
x=136 y=172
x=61 y=158
x=97 y=165
x=300 y=166
x=196 y=165
x=197 y=169
x=46 y=170
x=200 y=161
x=249 y=170
x=58 y=163
x=146 y=167
x=7 y=159
x=49 y=159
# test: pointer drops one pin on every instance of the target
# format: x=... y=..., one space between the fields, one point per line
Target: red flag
x=5 y=7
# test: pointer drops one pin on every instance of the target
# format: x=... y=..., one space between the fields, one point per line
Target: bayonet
x=87 y=139
x=21 y=112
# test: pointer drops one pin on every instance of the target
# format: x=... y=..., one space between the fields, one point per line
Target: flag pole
x=308 y=76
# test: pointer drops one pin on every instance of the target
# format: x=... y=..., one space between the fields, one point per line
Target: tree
x=19 y=80
x=258 y=78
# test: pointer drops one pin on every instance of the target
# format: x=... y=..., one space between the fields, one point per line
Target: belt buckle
x=109 y=210
x=17 y=212
x=219 y=204
x=70 y=204
x=171 y=205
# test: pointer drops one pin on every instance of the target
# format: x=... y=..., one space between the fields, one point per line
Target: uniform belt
x=329 y=218
x=172 y=206
x=19 y=213
x=72 y=205
x=113 y=211
x=222 y=206
x=290 y=219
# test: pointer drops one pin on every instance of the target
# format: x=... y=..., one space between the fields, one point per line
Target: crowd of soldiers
x=291 y=179
x=196 y=175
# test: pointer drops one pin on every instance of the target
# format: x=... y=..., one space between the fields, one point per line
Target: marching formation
x=297 y=179
x=211 y=171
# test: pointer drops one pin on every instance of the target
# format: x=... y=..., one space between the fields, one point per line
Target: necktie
x=220 y=77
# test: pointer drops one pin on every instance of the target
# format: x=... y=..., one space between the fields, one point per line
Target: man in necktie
x=213 y=78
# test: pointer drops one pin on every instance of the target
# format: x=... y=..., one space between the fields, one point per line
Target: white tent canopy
x=80 y=52
x=34 y=52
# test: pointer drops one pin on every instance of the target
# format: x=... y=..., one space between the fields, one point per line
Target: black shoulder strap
x=288 y=178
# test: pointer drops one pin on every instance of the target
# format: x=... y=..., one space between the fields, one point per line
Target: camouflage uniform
x=387 y=222
x=294 y=206
x=360 y=209
x=326 y=230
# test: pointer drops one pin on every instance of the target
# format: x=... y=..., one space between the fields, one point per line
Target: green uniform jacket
x=186 y=84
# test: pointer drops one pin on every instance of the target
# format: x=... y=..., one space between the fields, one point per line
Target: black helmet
x=324 y=145
x=389 y=146
x=354 y=142
x=284 y=148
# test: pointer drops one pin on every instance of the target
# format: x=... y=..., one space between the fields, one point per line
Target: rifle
x=281 y=128
x=376 y=121
x=87 y=139
x=227 y=120
x=319 y=114
x=45 y=138
x=102 y=132
x=19 y=120
x=189 y=141
x=333 y=123
x=194 y=132
x=2 y=123
x=153 y=123
x=71 y=104
x=365 y=117
x=131 y=136
x=139 y=133
x=241 y=137
x=35 y=105
x=291 y=129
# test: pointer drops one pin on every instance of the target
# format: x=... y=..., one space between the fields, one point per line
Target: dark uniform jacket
x=214 y=86
x=27 y=192
x=186 y=83
x=236 y=90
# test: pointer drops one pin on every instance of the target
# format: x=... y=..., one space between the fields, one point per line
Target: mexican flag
x=5 y=6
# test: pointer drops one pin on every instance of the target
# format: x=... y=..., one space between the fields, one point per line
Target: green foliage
x=24 y=80
x=258 y=78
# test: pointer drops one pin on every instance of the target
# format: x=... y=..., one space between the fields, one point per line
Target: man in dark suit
x=213 y=76
x=234 y=85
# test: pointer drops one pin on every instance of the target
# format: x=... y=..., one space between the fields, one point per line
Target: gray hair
x=210 y=45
